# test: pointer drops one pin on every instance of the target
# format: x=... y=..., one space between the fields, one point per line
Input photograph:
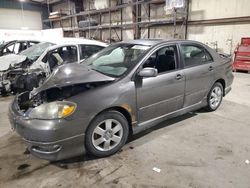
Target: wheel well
x=124 y=112
x=222 y=81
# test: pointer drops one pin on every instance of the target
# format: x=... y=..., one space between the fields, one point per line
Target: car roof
x=68 y=41
x=144 y=41
x=21 y=40
x=74 y=41
x=152 y=42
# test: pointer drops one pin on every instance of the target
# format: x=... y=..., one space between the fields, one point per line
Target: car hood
x=71 y=74
x=10 y=59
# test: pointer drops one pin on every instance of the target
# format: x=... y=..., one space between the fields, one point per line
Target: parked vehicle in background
x=242 y=55
x=14 y=68
x=16 y=46
x=31 y=67
x=123 y=89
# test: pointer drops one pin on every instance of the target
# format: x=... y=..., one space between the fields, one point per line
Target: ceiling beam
x=45 y=1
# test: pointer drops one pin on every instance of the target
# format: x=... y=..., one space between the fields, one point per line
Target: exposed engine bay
x=26 y=101
x=20 y=78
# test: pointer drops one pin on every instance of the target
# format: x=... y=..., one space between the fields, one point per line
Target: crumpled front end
x=18 y=80
x=18 y=77
x=50 y=139
x=49 y=118
x=5 y=84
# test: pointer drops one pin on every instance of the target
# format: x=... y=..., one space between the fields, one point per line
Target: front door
x=62 y=55
x=163 y=94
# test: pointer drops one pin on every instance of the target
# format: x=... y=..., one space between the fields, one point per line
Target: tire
x=106 y=134
x=214 y=97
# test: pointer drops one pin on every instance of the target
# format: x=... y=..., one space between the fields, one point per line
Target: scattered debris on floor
x=157 y=169
x=23 y=166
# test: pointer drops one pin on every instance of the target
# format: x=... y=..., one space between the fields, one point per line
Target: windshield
x=34 y=52
x=115 y=60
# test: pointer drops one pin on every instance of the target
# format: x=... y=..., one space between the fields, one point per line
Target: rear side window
x=31 y=43
x=23 y=46
x=195 y=55
x=88 y=50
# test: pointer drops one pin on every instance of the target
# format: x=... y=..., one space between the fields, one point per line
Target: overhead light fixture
x=22 y=0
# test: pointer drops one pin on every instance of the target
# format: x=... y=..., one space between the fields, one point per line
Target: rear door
x=163 y=94
x=198 y=69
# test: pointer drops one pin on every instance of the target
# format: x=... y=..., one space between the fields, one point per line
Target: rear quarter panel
x=223 y=70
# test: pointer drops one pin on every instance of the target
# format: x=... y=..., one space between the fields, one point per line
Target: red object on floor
x=242 y=55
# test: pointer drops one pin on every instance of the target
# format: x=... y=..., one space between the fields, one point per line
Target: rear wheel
x=214 y=97
x=106 y=134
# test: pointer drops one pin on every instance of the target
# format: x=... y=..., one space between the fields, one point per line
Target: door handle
x=211 y=68
x=178 y=77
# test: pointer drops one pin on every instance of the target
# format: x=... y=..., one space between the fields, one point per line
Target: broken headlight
x=53 y=110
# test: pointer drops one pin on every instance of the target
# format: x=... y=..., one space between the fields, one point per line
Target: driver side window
x=163 y=60
x=62 y=55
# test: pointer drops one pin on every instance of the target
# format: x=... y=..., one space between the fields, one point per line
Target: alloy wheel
x=215 y=97
x=107 y=135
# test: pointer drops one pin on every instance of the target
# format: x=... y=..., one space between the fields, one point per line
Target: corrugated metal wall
x=12 y=4
x=223 y=35
x=16 y=19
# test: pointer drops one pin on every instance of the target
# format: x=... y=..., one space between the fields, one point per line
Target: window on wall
x=163 y=59
x=195 y=55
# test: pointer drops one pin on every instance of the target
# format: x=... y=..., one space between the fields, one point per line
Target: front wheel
x=214 y=97
x=106 y=134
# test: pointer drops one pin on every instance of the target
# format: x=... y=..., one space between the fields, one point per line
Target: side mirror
x=148 y=72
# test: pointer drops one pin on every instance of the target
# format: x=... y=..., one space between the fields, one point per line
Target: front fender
x=90 y=103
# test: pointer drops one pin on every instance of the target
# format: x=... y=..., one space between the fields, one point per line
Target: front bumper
x=58 y=150
x=48 y=139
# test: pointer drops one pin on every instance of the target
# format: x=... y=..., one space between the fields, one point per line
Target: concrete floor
x=195 y=150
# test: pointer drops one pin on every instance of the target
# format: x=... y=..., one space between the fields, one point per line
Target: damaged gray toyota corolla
x=122 y=90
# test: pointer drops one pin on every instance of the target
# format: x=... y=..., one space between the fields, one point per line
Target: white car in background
x=15 y=46
x=29 y=68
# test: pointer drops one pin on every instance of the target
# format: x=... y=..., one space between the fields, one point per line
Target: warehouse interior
x=196 y=150
x=123 y=20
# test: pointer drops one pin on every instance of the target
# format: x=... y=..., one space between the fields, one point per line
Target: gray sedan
x=123 y=89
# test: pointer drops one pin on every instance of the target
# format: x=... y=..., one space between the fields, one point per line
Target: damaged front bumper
x=5 y=87
x=47 y=139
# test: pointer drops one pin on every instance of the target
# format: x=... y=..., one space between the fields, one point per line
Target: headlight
x=53 y=110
